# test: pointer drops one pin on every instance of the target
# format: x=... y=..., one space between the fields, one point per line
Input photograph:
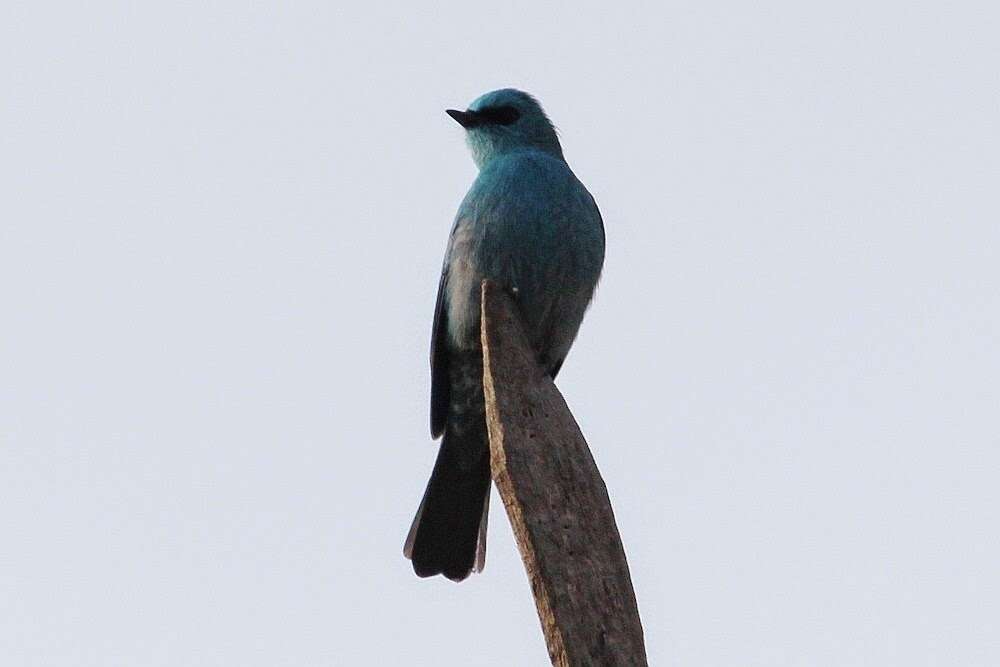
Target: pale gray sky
x=220 y=234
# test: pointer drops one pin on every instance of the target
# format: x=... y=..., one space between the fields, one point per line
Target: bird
x=528 y=224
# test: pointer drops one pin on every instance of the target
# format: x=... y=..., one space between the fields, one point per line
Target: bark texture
x=557 y=502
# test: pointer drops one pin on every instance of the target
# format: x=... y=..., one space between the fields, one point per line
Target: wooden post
x=556 y=501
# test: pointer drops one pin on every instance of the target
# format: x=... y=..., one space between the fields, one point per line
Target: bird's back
x=529 y=224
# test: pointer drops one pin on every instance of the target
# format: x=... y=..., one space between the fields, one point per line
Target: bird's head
x=504 y=120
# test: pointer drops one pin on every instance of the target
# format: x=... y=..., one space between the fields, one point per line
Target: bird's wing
x=440 y=387
x=600 y=221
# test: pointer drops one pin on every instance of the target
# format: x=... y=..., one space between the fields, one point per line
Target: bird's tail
x=448 y=534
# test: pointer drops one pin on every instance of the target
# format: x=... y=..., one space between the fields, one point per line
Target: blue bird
x=529 y=225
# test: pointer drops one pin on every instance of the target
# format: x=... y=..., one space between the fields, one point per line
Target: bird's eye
x=500 y=115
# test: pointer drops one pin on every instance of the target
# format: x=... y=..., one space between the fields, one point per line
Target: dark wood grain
x=557 y=503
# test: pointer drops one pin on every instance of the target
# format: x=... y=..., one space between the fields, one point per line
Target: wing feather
x=440 y=386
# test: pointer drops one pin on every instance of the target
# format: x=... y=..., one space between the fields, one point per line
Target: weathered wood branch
x=556 y=501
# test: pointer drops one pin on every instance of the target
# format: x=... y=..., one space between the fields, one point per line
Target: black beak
x=467 y=119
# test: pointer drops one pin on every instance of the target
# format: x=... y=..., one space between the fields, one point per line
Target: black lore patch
x=505 y=115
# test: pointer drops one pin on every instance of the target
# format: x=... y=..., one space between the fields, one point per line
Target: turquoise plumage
x=528 y=224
